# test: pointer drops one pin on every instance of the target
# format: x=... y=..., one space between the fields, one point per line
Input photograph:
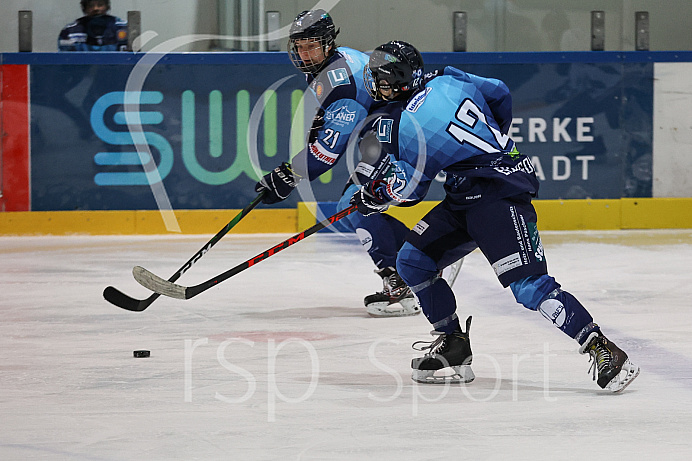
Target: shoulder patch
x=384 y=129
x=418 y=100
x=338 y=77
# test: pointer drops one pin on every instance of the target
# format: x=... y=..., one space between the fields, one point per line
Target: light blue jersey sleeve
x=446 y=126
x=495 y=93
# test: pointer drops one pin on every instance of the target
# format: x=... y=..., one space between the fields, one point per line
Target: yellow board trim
x=143 y=222
x=626 y=213
x=306 y=214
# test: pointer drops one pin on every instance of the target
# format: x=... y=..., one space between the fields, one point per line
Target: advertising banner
x=197 y=131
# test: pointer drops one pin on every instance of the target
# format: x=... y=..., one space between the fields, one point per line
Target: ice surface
x=281 y=361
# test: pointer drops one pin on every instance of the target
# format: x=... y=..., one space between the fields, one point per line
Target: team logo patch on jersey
x=384 y=129
x=418 y=100
x=338 y=77
x=319 y=89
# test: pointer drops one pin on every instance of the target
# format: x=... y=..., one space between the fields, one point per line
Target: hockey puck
x=141 y=354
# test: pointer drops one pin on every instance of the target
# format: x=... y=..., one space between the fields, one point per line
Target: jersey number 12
x=469 y=114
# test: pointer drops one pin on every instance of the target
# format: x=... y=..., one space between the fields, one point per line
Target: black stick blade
x=120 y=299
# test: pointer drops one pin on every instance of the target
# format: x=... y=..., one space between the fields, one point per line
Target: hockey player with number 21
x=334 y=75
x=458 y=123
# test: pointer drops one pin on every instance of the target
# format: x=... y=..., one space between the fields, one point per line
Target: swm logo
x=137 y=132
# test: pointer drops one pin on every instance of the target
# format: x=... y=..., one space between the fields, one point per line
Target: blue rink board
x=585 y=118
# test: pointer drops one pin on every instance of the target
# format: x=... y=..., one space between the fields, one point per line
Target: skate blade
x=462 y=374
x=628 y=373
x=384 y=309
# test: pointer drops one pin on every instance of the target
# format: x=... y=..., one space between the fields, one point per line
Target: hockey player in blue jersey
x=335 y=76
x=95 y=31
x=458 y=123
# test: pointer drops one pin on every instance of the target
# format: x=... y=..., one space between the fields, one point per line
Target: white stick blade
x=157 y=284
x=452 y=272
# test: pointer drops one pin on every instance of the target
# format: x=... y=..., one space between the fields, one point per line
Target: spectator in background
x=95 y=31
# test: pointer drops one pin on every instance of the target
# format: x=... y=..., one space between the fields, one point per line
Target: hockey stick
x=168 y=288
x=454 y=270
x=120 y=299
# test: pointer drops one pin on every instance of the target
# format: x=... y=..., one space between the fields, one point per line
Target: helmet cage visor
x=370 y=84
x=376 y=82
x=310 y=54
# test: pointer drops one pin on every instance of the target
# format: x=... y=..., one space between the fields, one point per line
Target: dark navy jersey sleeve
x=378 y=144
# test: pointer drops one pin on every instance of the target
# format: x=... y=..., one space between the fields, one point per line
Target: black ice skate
x=448 y=350
x=395 y=300
x=615 y=371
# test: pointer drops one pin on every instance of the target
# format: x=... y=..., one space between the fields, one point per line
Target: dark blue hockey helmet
x=312 y=26
x=394 y=71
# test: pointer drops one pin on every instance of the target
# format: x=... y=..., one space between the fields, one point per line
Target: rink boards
x=626 y=213
x=603 y=130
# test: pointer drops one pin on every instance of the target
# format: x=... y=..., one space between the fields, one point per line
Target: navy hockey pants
x=505 y=231
x=381 y=235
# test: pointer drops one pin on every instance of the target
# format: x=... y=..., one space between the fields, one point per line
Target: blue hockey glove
x=368 y=200
x=279 y=183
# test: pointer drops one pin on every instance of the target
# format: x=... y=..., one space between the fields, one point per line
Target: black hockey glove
x=317 y=124
x=368 y=200
x=279 y=183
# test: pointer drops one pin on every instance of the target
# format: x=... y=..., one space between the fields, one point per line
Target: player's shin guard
x=435 y=296
x=438 y=304
x=381 y=235
x=566 y=313
x=543 y=293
